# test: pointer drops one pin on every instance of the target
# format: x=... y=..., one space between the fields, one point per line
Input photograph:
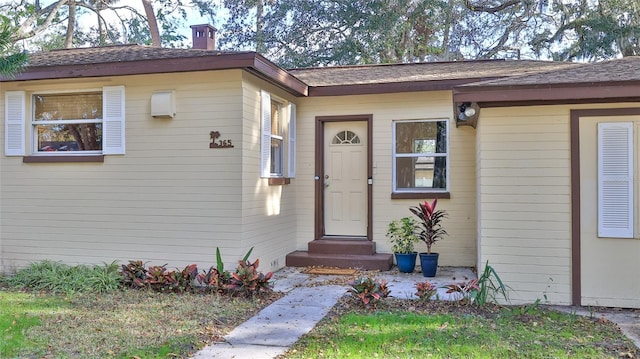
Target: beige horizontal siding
x=268 y=212
x=170 y=199
x=524 y=200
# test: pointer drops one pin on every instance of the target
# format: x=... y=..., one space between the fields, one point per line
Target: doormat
x=330 y=271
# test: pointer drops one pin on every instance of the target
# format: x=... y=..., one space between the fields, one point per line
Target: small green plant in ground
x=464 y=290
x=57 y=277
x=411 y=334
x=247 y=281
x=490 y=288
x=369 y=290
x=134 y=274
x=425 y=290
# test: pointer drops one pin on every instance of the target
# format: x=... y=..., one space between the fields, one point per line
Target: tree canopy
x=300 y=33
x=11 y=62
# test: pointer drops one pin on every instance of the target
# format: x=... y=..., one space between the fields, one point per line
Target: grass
x=121 y=324
x=438 y=330
x=18 y=313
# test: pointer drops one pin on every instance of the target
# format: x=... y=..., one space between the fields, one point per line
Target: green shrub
x=246 y=280
x=425 y=290
x=370 y=291
x=61 y=278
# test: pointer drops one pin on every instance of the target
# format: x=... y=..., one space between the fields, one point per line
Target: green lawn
x=18 y=313
x=462 y=332
x=121 y=324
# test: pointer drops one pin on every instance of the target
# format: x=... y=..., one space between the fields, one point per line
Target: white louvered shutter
x=265 y=144
x=291 y=146
x=14 y=123
x=113 y=139
x=615 y=179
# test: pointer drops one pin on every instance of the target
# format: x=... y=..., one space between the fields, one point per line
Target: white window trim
x=616 y=215
x=395 y=155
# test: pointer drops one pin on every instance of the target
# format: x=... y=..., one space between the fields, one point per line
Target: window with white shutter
x=615 y=180
x=91 y=122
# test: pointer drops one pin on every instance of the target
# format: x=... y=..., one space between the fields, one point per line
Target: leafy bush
x=105 y=278
x=57 y=277
x=425 y=290
x=134 y=274
x=466 y=290
x=246 y=280
x=402 y=235
x=370 y=291
x=214 y=281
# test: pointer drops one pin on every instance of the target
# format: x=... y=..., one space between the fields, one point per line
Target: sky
x=193 y=16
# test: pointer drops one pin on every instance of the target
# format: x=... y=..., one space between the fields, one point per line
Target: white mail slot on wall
x=163 y=104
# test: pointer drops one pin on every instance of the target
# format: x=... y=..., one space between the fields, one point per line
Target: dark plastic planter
x=429 y=264
x=406 y=262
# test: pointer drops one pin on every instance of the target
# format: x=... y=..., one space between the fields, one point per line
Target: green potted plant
x=402 y=235
x=429 y=231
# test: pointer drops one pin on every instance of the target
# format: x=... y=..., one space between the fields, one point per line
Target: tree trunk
x=259 y=26
x=153 y=23
x=71 y=25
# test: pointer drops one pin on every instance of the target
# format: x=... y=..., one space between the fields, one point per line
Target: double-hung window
x=69 y=123
x=420 y=156
x=278 y=120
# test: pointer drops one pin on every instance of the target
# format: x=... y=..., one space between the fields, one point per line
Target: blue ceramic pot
x=406 y=262
x=429 y=264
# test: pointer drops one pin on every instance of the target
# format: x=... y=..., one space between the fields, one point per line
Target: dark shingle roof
x=468 y=79
x=428 y=71
x=116 y=53
x=616 y=70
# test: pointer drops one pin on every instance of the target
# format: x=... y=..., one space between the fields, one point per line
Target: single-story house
x=135 y=152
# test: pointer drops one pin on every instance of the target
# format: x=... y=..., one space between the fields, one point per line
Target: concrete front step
x=378 y=261
x=342 y=246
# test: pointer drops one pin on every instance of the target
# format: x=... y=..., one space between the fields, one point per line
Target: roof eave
x=251 y=62
x=390 y=87
x=520 y=95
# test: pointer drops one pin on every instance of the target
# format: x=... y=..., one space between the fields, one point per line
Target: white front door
x=345 y=178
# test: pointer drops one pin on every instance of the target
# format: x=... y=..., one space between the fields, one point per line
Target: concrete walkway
x=308 y=299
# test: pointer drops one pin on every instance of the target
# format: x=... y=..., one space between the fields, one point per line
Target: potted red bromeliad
x=429 y=231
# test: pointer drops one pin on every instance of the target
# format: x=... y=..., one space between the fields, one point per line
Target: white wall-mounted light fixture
x=467 y=113
x=163 y=104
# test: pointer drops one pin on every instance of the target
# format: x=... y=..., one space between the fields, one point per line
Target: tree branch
x=490 y=9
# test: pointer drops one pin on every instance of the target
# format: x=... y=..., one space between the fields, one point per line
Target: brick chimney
x=204 y=37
